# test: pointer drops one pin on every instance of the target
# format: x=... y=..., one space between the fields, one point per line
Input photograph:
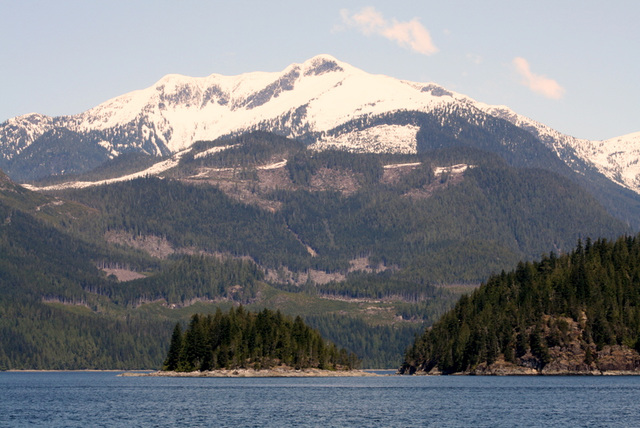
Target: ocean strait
x=95 y=399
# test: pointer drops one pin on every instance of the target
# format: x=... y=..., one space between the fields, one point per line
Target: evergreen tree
x=172 y=361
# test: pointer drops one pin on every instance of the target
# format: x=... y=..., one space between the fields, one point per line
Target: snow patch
x=152 y=171
x=454 y=169
x=376 y=139
x=213 y=150
x=276 y=165
x=401 y=165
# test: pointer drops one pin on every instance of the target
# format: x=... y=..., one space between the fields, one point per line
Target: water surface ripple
x=101 y=399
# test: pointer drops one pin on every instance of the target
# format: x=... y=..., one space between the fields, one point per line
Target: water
x=89 y=399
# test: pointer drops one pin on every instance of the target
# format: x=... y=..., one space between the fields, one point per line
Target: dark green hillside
x=355 y=247
x=366 y=168
x=575 y=313
x=59 y=311
x=241 y=339
x=48 y=319
x=449 y=228
x=188 y=278
x=43 y=207
x=441 y=229
x=194 y=216
x=450 y=129
x=453 y=128
x=381 y=343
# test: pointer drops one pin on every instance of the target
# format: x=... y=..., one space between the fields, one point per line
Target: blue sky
x=571 y=64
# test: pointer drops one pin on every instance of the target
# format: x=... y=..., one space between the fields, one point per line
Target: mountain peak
x=173 y=79
x=321 y=64
x=326 y=102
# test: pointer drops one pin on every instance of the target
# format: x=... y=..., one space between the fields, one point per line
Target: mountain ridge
x=309 y=100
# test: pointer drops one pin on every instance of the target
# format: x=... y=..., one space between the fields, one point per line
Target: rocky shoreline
x=613 y=360
x=275 y=372
x=525 y=371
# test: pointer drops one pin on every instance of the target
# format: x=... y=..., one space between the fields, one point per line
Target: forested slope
x=574 y=313
x=363 y=247
x=59 y=311
x=48 y=319
x=451 y=227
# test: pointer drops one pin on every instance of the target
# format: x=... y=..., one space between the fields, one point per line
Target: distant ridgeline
x=242 y=339
x=575 y=313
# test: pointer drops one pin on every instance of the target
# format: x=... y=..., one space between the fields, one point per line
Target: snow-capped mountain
x=325 y=102
x=313 y=97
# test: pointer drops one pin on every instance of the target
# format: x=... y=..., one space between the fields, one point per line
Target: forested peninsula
x=577 y=313
x=251 y=342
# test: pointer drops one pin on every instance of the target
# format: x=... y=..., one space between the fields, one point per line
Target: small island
x=241 y=343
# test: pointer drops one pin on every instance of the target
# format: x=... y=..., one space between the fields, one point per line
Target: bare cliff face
x=610 y=360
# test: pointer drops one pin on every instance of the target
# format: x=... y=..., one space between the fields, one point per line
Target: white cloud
x=408 y=34
x=537 y=83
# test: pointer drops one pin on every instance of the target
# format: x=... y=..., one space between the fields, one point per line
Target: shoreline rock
x=252 y=373
x=533 y=372
x=573 y=359
x=624 y=364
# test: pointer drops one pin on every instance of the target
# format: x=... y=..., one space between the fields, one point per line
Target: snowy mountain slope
x=315 y=96
x=19 y=132
x=617 y=158
x=312 y=101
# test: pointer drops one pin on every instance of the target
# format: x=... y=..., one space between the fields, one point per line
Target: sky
x=573 y=65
